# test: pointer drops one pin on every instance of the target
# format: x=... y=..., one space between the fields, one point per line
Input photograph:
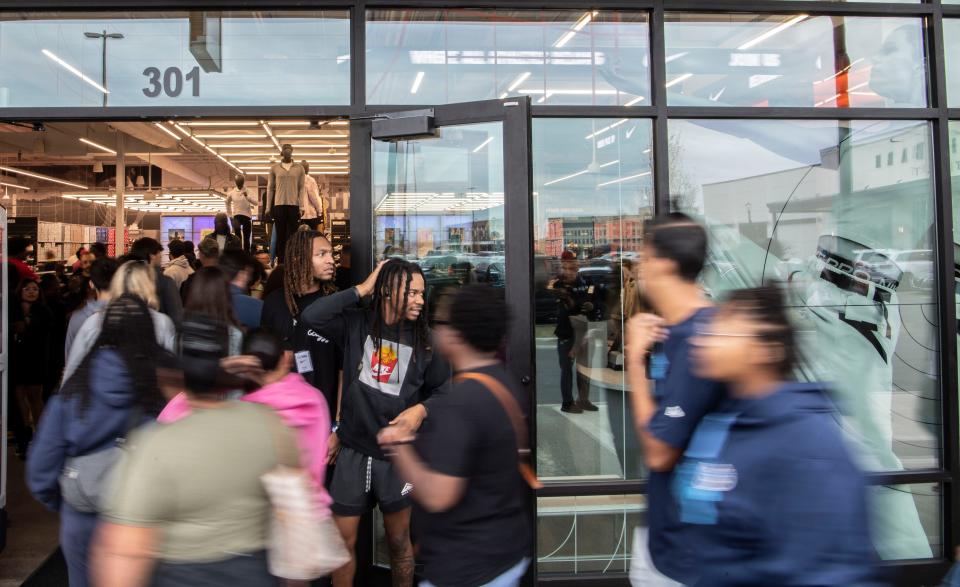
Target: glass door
x=449 y=188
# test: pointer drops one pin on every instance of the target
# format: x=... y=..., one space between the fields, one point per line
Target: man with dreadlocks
x=390 y=376
x=308 y=272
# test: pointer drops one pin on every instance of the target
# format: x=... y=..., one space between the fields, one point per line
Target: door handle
x=526 y=380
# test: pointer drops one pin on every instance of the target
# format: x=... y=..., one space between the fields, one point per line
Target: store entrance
x=67 y=185
x=449 y=188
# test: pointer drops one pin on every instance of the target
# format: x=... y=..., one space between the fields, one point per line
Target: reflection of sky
x=271 y=61
x=592 y=167
x=464 y=60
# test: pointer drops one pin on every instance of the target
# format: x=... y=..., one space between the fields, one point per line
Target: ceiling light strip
x=16 y=171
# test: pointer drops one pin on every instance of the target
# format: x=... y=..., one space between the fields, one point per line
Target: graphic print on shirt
x=385 y=368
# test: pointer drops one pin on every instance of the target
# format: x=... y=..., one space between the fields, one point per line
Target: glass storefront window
x=175 y=59
x=794 y=60
x=593 y=189
x=587 y=534
x=951 y=41
x=804 y=204
x=924 y=498
x=439 y=203
x=553 y=56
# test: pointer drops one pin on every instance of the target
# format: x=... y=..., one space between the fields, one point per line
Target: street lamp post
x=104 y=35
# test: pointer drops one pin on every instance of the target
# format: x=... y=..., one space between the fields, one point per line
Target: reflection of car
x=911 y=267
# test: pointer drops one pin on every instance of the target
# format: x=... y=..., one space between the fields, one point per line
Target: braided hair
x=298 y=268
x=766 y=307
x=395 y=277
x=128 y=330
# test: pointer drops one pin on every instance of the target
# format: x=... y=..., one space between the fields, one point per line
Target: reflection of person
x=574 y=298
x=768 y=490
x=674 y=253
x=312 y=205
x=898 y=69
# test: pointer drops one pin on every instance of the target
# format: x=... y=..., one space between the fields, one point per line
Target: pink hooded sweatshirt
x=301 y=407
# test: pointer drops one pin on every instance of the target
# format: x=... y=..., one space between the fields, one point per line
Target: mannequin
x=285 y=190
x=313 y=206
x=241 y=203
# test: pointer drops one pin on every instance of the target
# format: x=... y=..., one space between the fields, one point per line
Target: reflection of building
x=613 y=233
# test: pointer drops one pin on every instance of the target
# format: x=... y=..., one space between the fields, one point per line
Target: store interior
x=58 y=181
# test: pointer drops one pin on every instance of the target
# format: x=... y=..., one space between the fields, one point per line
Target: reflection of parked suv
x=916 y=265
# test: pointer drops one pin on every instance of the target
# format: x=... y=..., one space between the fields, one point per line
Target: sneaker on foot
x=587 y=406
x=570 y=408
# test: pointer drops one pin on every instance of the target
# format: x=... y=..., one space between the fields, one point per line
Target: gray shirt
x=285 y=187
x=87 y=336
x=77 y=319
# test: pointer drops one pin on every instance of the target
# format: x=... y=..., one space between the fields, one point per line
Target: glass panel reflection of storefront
x=951 y=42
x=587 y=534
x=842 y=213
x=794 y=60
x=177 y=58
x=439 y=203
x=553 y=56
x=593 y=189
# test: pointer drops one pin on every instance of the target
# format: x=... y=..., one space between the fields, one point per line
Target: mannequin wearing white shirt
x=241 y=204
x=313 y=208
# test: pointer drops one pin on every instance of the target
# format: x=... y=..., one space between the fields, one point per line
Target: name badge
x=658 y=366
x=304 y=362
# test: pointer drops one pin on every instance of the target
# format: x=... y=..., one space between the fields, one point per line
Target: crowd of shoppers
x=184 y=386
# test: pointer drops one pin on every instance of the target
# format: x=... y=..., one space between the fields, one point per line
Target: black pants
x=286 y=219
x=566 y=369
x=243 y=228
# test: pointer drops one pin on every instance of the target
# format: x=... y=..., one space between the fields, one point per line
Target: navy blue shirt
x=771 y=496
x=683 y=399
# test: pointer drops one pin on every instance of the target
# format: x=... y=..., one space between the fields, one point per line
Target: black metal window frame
x=937 y=114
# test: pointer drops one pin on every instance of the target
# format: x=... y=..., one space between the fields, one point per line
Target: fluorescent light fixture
x=276 y=143
x=828 y=78
x=14 y=185
x=315 y=136
x=74 y=70
x=223 y=123
x=774 y=31
x=584 y=20
x=565 y=39
x=179 y=127
x=16 y=171
x=678 y=79
x=635 y=101
x=244 y=136
x=164 y=128
x=289 y=123
x=97 y=145
x=483 y=144
x=566 y=177
x=623 y=179
x=417 y=81
x=504 y=95
x=606 y=128
x=197 y=141
x=520 y=79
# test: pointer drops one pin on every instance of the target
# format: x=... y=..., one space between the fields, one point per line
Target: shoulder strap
x=512 y=408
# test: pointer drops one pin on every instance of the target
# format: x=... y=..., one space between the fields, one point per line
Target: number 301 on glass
x=170 y=81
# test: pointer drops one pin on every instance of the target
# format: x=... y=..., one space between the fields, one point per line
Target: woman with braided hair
x=308 y=271
x=390 y=377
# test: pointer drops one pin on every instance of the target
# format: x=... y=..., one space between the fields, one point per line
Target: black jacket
x=377 y=386
x=169 y=297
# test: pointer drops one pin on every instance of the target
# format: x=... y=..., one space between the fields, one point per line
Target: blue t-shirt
x=683 y=399
x=771 y=496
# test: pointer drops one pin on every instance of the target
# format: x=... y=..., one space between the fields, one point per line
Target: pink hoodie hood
x=300 y=406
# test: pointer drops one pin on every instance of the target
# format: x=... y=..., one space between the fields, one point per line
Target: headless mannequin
x=285 y=192
x=241 y=207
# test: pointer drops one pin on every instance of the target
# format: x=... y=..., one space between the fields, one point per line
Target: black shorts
x=360 y=482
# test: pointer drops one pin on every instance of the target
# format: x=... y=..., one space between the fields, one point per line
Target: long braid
x=298 y=268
